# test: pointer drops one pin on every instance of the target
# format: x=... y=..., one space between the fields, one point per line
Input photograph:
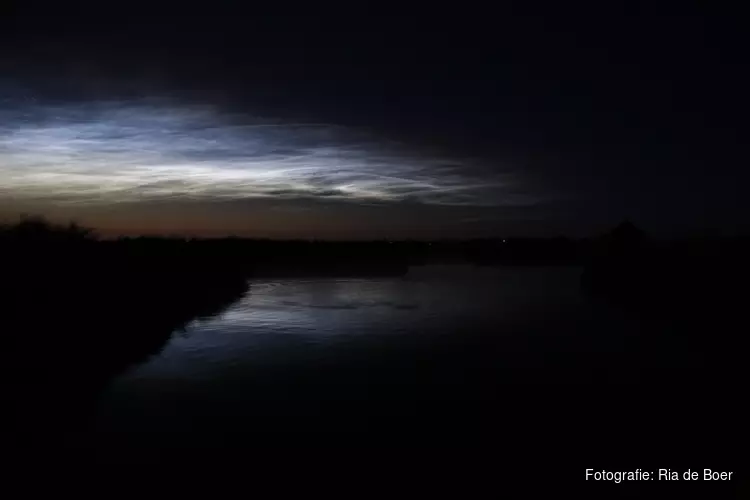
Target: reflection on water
x=315 y=350
x=298 y=312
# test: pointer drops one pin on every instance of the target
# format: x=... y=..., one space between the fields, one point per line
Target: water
x=307 y=354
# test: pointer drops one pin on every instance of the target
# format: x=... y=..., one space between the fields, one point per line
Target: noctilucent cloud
x=115 y=152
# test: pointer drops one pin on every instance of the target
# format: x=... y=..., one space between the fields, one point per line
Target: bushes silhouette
x=77 y=311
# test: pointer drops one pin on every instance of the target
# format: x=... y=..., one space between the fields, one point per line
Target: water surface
x=348 y=353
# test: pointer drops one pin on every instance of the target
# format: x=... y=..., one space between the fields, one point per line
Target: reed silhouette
x=78 y=311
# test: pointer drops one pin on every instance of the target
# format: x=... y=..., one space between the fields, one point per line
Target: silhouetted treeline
x=296 y=257
x=528 y=251
x=699 y=281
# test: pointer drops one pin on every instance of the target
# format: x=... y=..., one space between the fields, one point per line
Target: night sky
x=374 y=123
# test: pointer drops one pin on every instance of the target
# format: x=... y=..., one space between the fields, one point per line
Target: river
x=335 y=354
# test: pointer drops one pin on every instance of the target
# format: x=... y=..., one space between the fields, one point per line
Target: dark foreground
x=438 y=410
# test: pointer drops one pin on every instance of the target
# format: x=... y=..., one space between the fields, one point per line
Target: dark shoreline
x=81 y=311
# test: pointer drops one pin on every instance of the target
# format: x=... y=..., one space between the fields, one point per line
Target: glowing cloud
x=121 y=152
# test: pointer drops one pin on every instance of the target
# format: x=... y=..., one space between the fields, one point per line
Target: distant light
x=504 y=241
